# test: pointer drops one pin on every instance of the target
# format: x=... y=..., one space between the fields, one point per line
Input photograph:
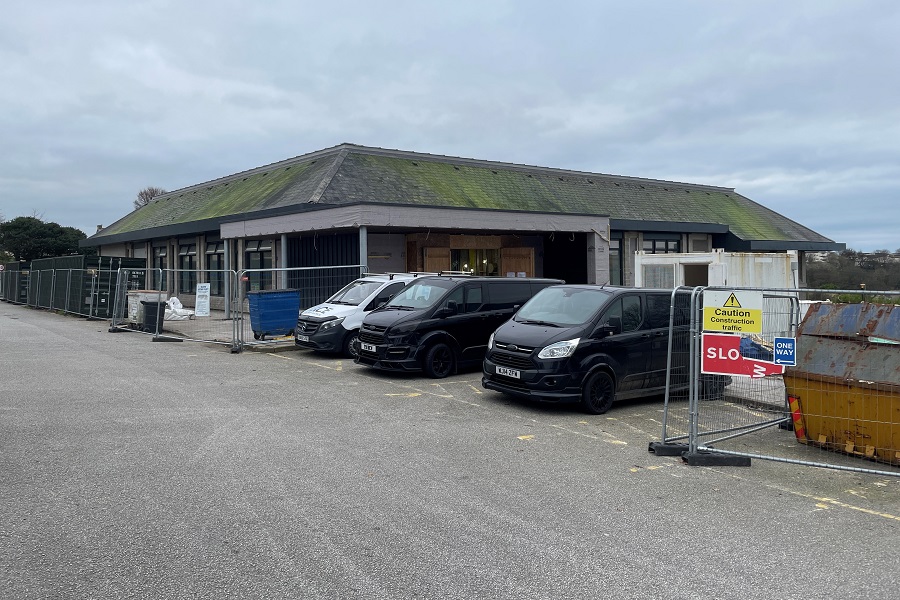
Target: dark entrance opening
x=565 y=256
x=696 y=275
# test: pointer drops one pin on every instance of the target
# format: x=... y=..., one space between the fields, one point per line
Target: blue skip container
x=273 y=312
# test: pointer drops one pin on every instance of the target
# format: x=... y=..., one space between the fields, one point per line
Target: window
x=474 y=297
x=215 y=263
x=658 y=310
x=508 y=294
x=656 y=243
x=615 y=261
x=386 y=294
x=468 y=298
x=259 y=258
x=563 y=306
x=457 y=296
x=659 y=276
x=477 y=262
x=626 y=310
x=160 y=261
x=187 y=268
x=421 y=294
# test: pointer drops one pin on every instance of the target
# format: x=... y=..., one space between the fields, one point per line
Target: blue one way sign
x=786 y=351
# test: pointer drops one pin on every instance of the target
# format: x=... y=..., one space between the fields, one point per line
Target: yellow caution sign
x=732 y=302
x=732 y=311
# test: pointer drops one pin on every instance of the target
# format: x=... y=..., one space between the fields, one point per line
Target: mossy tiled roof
x=349 y=174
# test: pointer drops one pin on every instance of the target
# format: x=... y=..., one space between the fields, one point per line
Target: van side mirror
x=451 y=309
x=612 y=327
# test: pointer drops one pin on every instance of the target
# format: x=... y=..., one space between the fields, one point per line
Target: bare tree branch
x=146 y=195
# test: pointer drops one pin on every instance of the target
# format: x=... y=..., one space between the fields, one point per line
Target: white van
x=333 y=326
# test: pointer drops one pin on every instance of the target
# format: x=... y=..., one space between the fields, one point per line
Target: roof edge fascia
x=679 y=226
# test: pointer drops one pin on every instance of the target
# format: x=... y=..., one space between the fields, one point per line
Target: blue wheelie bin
x=273 y=312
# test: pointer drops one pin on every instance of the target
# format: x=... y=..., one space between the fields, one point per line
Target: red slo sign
x=722 y=356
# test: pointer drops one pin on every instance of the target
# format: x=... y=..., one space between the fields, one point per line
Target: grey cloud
x=794 y=104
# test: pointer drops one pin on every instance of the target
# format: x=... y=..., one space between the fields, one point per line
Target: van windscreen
x=422 y=294
x=354 y=293
x=562 y=306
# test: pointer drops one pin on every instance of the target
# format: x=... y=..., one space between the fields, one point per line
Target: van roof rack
x=392 y=274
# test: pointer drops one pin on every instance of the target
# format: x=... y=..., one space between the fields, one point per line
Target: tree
x=848 y=270
x=28 y=238
x=146 y=195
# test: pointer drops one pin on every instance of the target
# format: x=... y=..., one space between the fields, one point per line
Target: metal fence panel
x=843 y=395
x=676 y=413
x=182 y=318
x=315 y=285
x=85 y=292
x=747 y=402
x=131 y=299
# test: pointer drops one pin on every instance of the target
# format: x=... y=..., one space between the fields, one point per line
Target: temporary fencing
x=762 y=382
x=222 y=307
x=86 y=292
x=262 y=312
x=176 y=305
x=14 y=283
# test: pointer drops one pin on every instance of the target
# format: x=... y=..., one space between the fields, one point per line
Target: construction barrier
x=832 y=383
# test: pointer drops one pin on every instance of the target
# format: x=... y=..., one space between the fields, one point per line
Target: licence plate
x=508 y=372
x=367 y=347
x=302 y=338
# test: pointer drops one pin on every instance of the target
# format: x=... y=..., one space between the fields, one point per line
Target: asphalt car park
x=134 y=469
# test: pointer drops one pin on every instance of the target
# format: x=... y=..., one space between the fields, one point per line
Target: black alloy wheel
x=599 y=393
x=439 y=361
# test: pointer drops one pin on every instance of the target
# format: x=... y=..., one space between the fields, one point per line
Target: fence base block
x=705 y=458
x=667 y=449
x=162 y=338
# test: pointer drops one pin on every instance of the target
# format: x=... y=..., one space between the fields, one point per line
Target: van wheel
x=439 y=361
x=599 y=393
x=351 y=344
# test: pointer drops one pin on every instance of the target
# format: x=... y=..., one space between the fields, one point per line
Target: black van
x=588 y=343
x=439 y=324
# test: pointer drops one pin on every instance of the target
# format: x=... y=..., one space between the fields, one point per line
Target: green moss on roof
x=433 y=183
x=236 y=195
x=350 y=174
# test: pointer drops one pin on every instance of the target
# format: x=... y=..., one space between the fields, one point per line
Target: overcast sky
x=795 y=104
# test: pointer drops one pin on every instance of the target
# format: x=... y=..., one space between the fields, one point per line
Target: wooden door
x=516 y=261
x=437 y=260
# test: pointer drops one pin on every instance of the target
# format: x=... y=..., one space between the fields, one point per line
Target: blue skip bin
x=273 y=312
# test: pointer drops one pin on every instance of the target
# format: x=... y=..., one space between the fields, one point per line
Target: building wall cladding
x=316 y=250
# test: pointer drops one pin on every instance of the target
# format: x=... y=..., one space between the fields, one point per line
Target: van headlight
x=401 y=334
x=559 y=349
x=491 y=342
x=330 y=324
